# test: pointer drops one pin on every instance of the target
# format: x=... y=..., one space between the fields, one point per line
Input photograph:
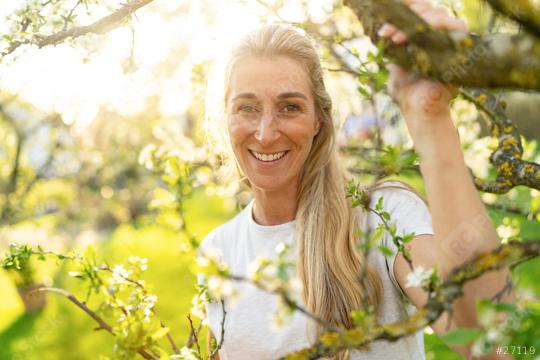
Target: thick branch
x=455 y=57
x=514 y=210
x=442 y=298
x=522 y=11
x=511 y=170
x=101 y=26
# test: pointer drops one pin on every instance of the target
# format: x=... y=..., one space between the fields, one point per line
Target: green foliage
x=124 y=299
x=371 y=75
x=463 y=336
x=18 y=259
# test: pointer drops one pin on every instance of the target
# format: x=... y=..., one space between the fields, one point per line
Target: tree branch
x=514 y=210
x=439 y=301
x=14 y=175
x=511 y=170
x=455 y=57
x=102 y=324
x=285 y=297
x=101 y=26
x=222 y=335
x=523 y=12
x=193 y=335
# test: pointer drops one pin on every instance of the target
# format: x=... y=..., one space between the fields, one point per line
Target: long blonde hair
x=329 y=264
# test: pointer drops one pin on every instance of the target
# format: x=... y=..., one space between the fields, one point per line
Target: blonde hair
x=329 y=264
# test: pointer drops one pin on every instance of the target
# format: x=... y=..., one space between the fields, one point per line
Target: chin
x=267 y=183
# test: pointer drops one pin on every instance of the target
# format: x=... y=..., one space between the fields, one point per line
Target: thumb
x=398 y=77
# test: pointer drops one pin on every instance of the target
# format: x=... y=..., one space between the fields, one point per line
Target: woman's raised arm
x=461 y=224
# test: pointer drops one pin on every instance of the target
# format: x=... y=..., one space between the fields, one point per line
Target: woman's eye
x=247 y=109
x=291 y=108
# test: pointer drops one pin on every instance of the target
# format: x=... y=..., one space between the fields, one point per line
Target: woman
x=280 y=128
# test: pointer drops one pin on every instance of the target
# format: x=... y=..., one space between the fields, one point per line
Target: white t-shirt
x=250 y=332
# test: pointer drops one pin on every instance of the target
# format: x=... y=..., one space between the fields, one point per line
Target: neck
x=274 y=207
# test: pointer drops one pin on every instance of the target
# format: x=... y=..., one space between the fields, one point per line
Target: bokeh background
x=78 y=120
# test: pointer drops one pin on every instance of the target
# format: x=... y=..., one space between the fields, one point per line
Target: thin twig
x=222 y=335
x=102 y=324
x=283 y=294
x=193 y=336
x=100 y=26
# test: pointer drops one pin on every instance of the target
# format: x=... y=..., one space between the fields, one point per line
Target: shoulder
x=396 y=194
x=401 y=202
x=215 y=240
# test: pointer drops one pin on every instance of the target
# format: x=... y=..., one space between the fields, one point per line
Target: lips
x=268 y=157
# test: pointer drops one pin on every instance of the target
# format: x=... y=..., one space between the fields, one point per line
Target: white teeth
x=268 y=157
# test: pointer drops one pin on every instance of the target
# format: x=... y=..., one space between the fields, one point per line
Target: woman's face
x=271 y=120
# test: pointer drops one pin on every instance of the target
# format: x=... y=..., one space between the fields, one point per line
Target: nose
x=267 y=131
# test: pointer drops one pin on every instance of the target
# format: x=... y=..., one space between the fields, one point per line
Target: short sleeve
x=409 y=213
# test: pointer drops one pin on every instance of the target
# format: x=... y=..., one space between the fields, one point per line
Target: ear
x=318 y=125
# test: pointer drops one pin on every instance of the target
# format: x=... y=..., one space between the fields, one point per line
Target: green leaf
x=462 y=336
x=160 y=333
x=385 y=215
x=386 y=250
x=407 y=158
x=392 y=230
x=377 y=235
x=363 y=91
x=76 y=274
x=408 y=237
x=379 y=205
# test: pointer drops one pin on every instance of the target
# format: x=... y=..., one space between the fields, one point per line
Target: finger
x=399 y=37
x=440 y=18
x=451 y=24
x=420 y=7
x=431 y=12
x=413 y=2
x=425 y=10
x=387 y=30
x=443 y=22
x=459 y=25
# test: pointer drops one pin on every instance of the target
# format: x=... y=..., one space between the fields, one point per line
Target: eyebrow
x=292 y=94
x=285 y=95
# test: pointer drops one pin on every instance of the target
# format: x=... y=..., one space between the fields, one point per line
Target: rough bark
x=439 y=301
x=521 y=11
x=459 y=58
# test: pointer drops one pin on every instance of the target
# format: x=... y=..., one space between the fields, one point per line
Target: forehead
x=268 y=77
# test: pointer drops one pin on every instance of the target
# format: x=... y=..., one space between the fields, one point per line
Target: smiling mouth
x=268 y=157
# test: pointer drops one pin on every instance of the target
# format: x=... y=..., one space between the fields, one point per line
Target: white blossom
x=418 y=277
x=280 y=248
x=197 y=308
x=219 y=287
x=120 y=274
x=493 y=335
x=188 y=354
